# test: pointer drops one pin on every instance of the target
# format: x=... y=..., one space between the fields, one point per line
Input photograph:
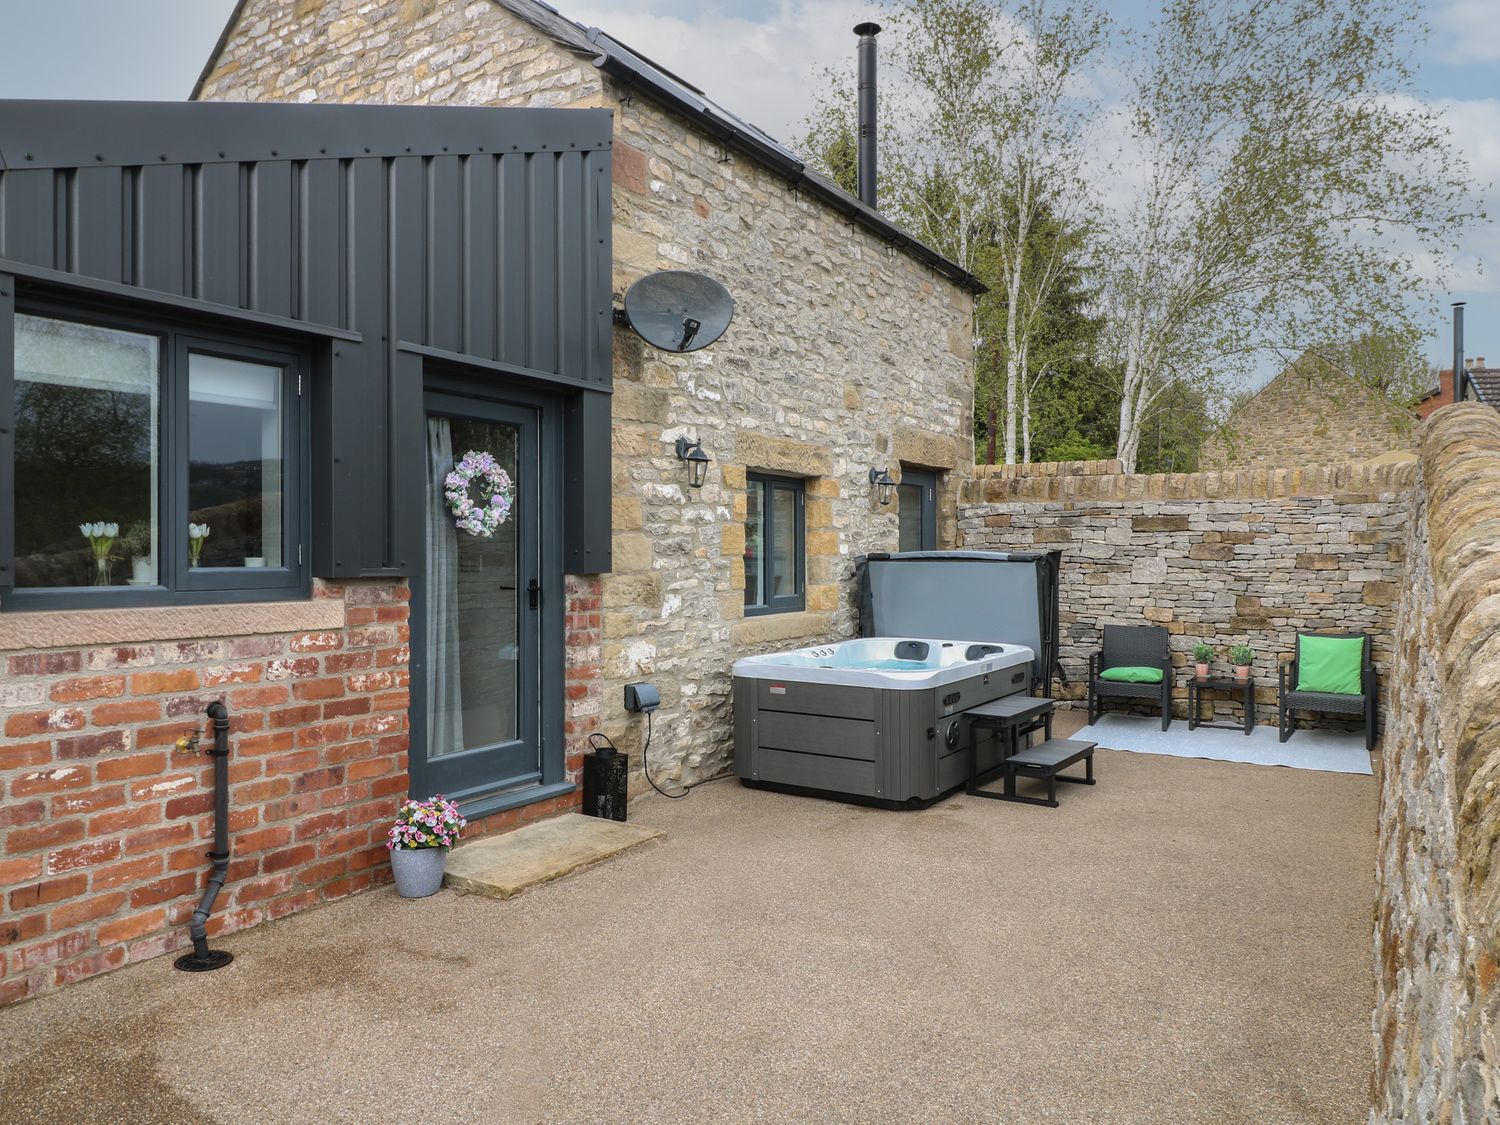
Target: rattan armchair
x=1131 y=646
x=1291 y=700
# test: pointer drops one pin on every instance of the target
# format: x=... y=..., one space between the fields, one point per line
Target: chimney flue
x=866 y=56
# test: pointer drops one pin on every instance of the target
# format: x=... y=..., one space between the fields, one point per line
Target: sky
x=759 y=59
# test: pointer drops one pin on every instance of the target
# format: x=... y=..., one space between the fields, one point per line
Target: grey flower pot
x=419 y=871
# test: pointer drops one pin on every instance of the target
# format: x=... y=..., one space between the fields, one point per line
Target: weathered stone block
x=632 y=552
x=1212 y=552
x=782 y=455
x=1314 y=561
x=1159 y=523
x=637 y=590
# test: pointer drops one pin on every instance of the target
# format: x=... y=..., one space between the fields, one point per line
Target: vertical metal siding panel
x=572 y=267
x=28 y=227
x=365 y=426
x=410 y=182
x=587 y=545
x=514 y=298
x=161 y=229
x=445 y=258
x=541 y=325
x=408 y=235
x=321 y=238
x=601 y=285
x=481 y=257
x=410 y=463
x=272 y=234
x=97 y=221
x=218 y=234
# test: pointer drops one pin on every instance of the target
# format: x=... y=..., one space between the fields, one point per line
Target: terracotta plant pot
x=1201 y=671
x=418 y=871
x=1242 y=671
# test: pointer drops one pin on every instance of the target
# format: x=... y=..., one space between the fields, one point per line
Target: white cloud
x=1465 y=31
x=761 y=68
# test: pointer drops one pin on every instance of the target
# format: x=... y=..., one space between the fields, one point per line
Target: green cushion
x=1329 y=664
x=1132 y=675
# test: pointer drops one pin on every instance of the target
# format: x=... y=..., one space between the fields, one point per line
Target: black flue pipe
x=202 y=959
x=866 y=55
x=1460 y=372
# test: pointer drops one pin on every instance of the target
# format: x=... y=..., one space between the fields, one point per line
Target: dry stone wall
x=1221 y=558
x=844 y=352
x=1437 y=928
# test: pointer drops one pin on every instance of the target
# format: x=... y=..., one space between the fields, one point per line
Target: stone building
x=1306 y=415
x=813 y=382
x=360 y=295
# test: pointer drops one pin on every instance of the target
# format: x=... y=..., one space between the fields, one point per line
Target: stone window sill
x=771 y=627
x=70 y=628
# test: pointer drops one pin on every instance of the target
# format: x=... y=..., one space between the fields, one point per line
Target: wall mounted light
x=885 y=487
x=691 y=451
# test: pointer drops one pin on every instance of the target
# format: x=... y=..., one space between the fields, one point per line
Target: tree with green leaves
x=981 y=145
x=1277 y=158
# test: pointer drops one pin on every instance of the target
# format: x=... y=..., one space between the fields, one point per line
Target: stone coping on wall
x=1358 y=479
x=1108 y=467
x=70 y=628
x=1461 y=475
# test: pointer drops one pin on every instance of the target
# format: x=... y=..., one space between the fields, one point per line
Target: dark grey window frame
x=178 y=584
x=787 y=603
x=927 y=481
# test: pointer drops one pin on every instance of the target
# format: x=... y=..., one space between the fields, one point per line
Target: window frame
x=177 y=582
x=769 y=483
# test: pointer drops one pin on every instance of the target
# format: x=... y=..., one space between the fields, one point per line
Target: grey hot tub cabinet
x=888 y=746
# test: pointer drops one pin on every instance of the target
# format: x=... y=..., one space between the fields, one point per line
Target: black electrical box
x=642 y=698
x=606 y=783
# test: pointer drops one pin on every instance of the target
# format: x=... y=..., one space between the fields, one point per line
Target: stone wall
x=1308 y=413
x=820 y=376
x=1437 y=926
x=1222 y=558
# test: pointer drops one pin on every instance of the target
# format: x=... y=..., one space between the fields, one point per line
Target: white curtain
x=445 y=717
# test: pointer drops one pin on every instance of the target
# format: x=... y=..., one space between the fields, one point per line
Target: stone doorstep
x=502 y=866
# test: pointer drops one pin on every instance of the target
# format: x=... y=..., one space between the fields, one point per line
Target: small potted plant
x=419 y=843
x=1202 y=654
x=1242 y=656
x=136 y=542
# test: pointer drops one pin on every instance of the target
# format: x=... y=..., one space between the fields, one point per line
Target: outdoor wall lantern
x=691 y=451
x=885 y=487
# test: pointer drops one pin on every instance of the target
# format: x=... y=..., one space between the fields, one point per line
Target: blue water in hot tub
x=891 y=665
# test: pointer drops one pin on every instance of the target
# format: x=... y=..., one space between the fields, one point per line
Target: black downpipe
x=202 y=959
x=1460 y=372
x=866 y=52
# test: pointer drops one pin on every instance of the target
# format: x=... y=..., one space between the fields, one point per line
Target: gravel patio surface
x=1186 y=941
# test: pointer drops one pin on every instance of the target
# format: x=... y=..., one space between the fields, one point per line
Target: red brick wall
x=104 y=823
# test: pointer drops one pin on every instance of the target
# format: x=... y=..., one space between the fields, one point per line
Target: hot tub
x=877 y=719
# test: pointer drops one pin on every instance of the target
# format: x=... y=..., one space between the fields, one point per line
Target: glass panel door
x=479 y=674
x=916 y=500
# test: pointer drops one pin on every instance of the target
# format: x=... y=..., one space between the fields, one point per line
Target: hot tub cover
x=1006 y=597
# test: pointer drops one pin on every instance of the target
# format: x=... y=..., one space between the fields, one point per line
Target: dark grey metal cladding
x=478 y=237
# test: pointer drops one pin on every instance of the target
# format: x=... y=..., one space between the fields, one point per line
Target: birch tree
x=1283 y=174
x=980 y=131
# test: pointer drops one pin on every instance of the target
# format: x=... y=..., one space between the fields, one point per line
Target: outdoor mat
x=1329 y=751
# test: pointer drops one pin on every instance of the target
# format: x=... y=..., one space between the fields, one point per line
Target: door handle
x=533 y=593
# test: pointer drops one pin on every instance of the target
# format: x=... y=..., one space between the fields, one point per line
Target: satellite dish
x=678 y=310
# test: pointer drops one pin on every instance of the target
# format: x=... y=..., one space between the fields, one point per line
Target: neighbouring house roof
x=631 y=68
x=1485 y=382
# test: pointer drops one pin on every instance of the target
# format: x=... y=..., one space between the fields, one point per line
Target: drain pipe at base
x=202 y=959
